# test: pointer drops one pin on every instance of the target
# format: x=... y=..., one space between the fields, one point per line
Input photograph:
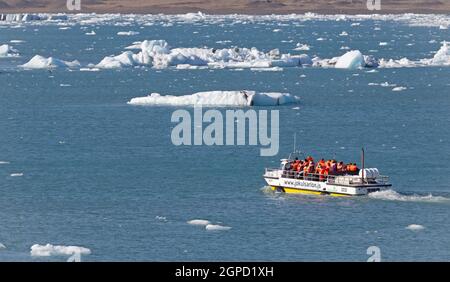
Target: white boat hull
x=292 y=185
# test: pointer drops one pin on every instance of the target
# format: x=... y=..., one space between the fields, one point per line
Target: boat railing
x=330 y=178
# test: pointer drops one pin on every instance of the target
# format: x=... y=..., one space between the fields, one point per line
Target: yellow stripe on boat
x=308 y=192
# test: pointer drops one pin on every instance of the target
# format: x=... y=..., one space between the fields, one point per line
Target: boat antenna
x=362 y=164
x=295 y=140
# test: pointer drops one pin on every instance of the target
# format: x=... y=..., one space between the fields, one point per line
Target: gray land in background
x=228 y=6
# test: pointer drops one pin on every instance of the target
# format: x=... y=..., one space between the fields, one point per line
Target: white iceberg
x=442 y=56
x=415 y=227
x=203 y=222
x=51 y=250
x=157 y=54
x=40 y=62
x=216 y=227
x=350 y=60
x=218 y=98
x=399 y=88
x=7 y=51
x=302 y=47
x=127 y=33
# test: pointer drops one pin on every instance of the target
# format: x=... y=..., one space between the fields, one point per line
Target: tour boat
x=366 y=181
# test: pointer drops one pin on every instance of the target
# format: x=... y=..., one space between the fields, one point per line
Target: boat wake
x=391 y=195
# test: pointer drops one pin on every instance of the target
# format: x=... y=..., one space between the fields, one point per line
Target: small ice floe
x=8 y=51
x=302 y=47
x=443 y=27
x=387 y=84
x=415 y=227
x=65 y=85
x=90 y=33
x=161 y=218
x=202 y=222
x=399 y=88
x=267 y=69
x=383 y=44
x=320 y=39
x=19 y=174
x=16 y=41
x=40 y=62
x=216 y=227
x=2 y=247
x=51 y=250
x=3 y=162
x=344 y=33
x=89 y=69
x=128 y=33
x=276 y=30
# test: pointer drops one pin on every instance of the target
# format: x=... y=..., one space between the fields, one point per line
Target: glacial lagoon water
x=81 y=167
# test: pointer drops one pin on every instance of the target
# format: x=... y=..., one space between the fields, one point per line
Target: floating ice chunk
x=399 y=88
x=7 y=51
x=302 y=47
x=3 y=162
x=126 y=59
x=218 y=98
x=89 y=69
x=267 y=69
x=442 y=57
x=203 y=222
x=443 y=27
x=350 y=60
x=39 y=62
x=16 y=174
x=128 y=33
x=344 y=33
x=50 y=250
x=387 y=84
x=383 y=44
x=216 y=227
x=371 y=62
x=2 y=247
x=404 y=62
x=91 y=33
x=415 y=227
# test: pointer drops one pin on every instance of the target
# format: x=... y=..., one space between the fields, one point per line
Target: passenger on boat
x=333 y=168
x=341 y=168
x=352 y=169
x=323 y=173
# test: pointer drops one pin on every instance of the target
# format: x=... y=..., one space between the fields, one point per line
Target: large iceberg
x=350 y=60
x=218 y=98
x=158 y=54
x=39 y=62
x=442 y=57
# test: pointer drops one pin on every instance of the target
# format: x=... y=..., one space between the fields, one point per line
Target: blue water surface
x=105 y=175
